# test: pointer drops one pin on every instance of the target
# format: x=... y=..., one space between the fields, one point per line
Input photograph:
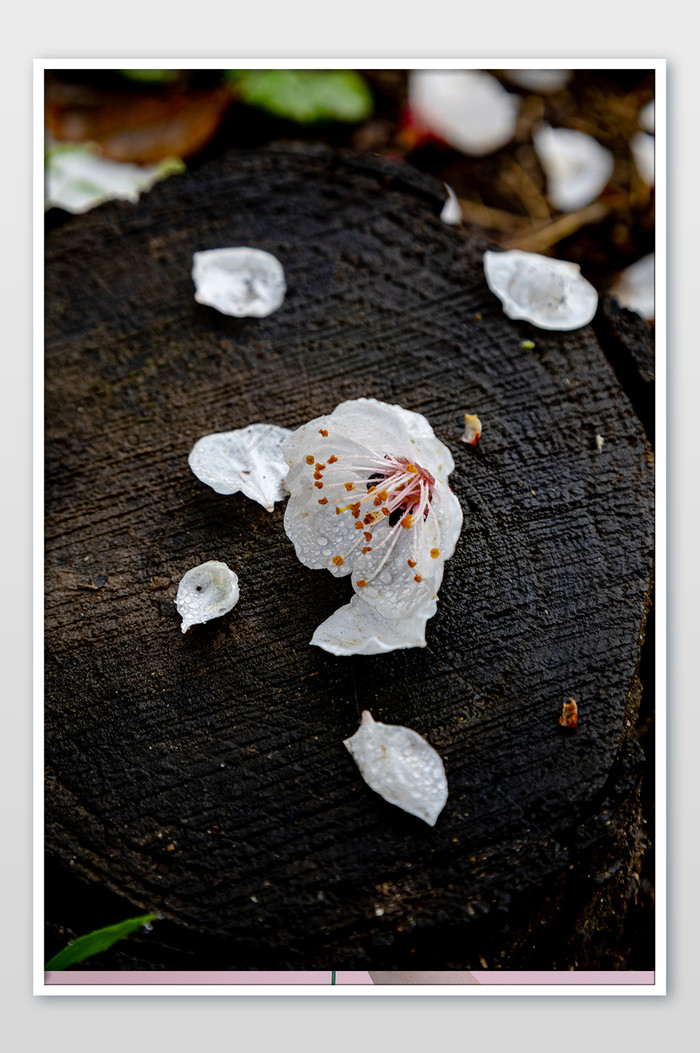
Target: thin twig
x=561 y=228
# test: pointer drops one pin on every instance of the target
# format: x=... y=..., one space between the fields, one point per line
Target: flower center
x=377 y=489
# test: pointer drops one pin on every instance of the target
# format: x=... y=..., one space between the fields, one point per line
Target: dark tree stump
x=204 y=776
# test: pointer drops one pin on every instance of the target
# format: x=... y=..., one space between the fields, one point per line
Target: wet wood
x=204 y=776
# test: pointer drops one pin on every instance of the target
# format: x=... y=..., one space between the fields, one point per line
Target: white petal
x=78 y=178
x=545 y=81
x=249 y=459
x=647 y=117
x=551 y=294
x=576 y=165
x=358 y=628
x=206 y=592
x=469 y=109
x=451 y=210
x=399 y=765
x=242 y=282
x=642 y=147
x=634 y=288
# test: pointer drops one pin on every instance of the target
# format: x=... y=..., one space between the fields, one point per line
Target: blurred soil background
x=144 y=117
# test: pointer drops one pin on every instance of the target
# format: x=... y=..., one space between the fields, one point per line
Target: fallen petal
x=551 y=294
x=206 y=592
x=241 y=282
x=399 y=765
x=634 y=287
x=544 y=81
x=647 y=116
x=359 y=628
x=78 y=178
x=249 y=459
x=577 y=167
x=451 y=210
x=469 y=109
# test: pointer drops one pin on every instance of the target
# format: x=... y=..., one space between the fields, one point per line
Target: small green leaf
x=95 y=942
x=150 y=76
x=305 y=96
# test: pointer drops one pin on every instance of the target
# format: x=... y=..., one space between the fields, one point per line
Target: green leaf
x=150 y=76
x=305 y=96
x=95 y=942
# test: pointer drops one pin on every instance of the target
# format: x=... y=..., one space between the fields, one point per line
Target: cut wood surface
x=203 y=776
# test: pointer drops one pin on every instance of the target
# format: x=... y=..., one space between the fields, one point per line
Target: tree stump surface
x=204 y=775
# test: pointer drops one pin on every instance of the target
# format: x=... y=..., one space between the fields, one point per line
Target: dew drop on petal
x=399 y=765
x=206 y=592
x=241 y=282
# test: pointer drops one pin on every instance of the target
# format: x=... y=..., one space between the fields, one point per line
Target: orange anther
x=318 y=475
x=417 y=577
x=368 y=536
x=361 y=583
x=435 y=552
x=338 y=510
x=407 y=522
x=384 y=495
x=349 y=487
x=332 y=459
x=337 y=560
x=368 y=519
x=319 y=486
x=310 y=459
x=323 y=432
x=366 y=549
x=323 y=500
x=386 y=512
x=411 y=562
x=358 y=526
x=320 y=467
x=378 y=500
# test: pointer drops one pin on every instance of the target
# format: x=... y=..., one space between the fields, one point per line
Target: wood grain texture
x=204 y=776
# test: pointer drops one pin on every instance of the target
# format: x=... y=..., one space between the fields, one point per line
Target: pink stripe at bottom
x=323 y=979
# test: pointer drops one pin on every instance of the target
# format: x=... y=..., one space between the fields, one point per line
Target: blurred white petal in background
x=469 y=109
x=577 y=167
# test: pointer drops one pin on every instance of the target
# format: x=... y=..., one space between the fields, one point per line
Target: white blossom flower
x=248 y=459
x=370 y=499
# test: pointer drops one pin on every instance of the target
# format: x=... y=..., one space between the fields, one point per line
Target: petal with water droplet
x=248 y=459
x=206 y=592
x=399 y=765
